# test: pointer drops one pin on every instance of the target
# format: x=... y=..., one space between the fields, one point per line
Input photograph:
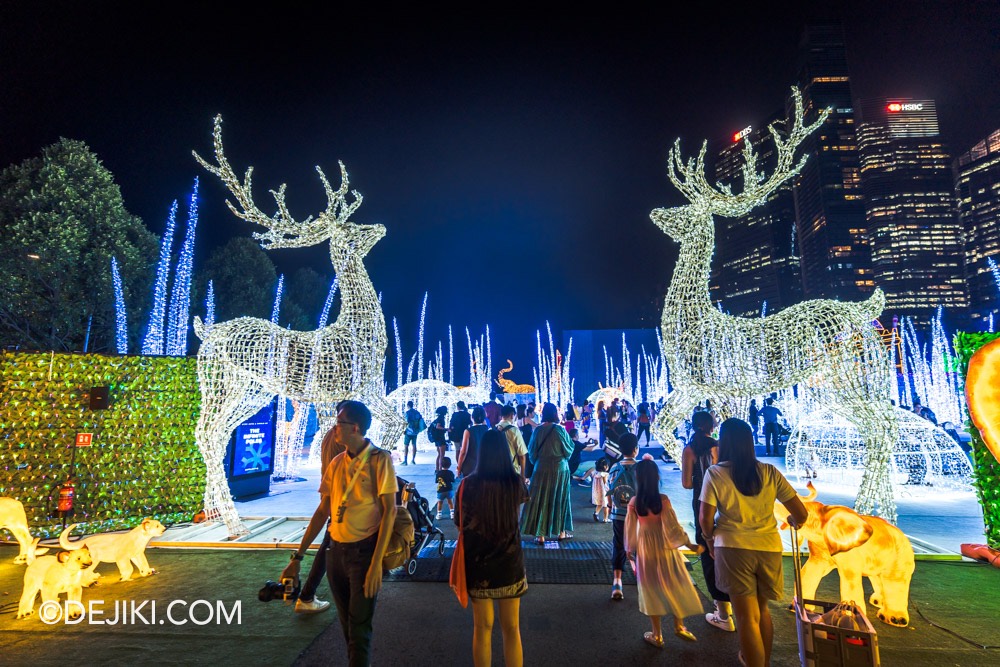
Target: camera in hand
x=287 y=589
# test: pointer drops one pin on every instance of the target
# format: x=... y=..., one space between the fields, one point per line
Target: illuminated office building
x=829 y=207
x=756 y=260
x=916 y=239
x=977 y=183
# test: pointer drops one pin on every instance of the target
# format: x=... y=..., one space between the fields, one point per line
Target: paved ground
x=941 y=518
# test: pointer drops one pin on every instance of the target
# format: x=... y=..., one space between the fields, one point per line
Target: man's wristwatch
x=296 y=555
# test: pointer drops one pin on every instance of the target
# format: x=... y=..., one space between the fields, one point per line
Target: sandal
x=540 y=540
x=652 y=639
x=686 y=634
x=617 y=593
x=565 y=536
x=595 y=517
x=743 y=661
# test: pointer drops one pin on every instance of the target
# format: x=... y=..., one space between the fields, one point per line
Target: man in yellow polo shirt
x=359 y=492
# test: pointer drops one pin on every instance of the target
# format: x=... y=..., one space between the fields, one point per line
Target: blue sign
x=253 y=444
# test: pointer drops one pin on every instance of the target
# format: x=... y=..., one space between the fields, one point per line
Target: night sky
x=513 y=155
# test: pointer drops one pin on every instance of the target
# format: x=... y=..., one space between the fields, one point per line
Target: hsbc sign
x=896 y=107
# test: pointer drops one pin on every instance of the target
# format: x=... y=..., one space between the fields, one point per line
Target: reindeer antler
x=689 y=176
x=283 y=231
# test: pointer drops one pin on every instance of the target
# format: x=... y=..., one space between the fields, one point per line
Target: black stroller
x=424 y=529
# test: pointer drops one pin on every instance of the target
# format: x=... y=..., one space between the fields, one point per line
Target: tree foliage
x=244 y=279
x=62 y=218
x=304 y=297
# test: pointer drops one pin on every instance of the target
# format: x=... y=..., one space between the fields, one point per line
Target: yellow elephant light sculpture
x=857 y=545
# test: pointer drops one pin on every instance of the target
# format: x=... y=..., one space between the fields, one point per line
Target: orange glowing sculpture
x=982 y=393
x=857 y=545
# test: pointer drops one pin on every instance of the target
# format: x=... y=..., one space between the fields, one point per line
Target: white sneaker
x=439 y=516
x=721 y=623
x=451 y=514
x=314 y=606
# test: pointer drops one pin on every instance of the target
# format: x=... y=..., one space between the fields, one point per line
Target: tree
x=304 y=297
x=62 y=218
x=244 y=279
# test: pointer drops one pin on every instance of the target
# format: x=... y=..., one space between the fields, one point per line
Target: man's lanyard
x=350 y=485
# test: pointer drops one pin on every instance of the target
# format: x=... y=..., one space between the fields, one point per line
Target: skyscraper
x=916 y=239
x=829 y=207
x=756 y=257
x=977 y=183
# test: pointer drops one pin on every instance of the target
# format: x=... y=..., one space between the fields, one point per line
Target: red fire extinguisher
x=66 y=493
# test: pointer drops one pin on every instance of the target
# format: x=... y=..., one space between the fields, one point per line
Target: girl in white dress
x=652 y=538
x=599 y=490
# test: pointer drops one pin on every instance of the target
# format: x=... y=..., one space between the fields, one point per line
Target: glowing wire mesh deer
x=244 y=363
x=723 y=358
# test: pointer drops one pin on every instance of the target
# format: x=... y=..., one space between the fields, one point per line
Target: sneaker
x=314 y=606
x=439 y=516
x=721 y=623
x=451 y=514
x=616 y=592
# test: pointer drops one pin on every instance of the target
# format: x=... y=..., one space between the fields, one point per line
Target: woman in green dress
x=548 y=511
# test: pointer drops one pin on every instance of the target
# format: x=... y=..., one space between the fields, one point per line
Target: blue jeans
x=346 y=568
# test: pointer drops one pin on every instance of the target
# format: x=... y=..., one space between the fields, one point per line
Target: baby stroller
x=424 y=529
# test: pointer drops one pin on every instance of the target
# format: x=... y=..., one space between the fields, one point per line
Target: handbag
x=456 y=578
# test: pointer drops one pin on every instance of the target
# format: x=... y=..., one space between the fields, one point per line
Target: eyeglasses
x=344 y=423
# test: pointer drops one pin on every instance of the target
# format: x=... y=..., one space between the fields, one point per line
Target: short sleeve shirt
x=515 y=441
x=377 y=477
x=746 y=522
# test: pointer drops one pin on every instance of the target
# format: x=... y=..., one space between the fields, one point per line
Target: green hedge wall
x=985 y=468
x=143 y=461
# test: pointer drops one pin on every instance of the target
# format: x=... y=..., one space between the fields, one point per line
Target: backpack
x=398 y=551
x=623 y=488
x=430 y=431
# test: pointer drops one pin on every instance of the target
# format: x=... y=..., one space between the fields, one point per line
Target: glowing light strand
x=279 y=292
x=180 y=301
x=154 y=340
x=324 y=317
x=121 y=325
x=210 y=306
x=399 y=355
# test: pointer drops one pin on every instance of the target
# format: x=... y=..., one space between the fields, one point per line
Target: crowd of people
x=512 y=480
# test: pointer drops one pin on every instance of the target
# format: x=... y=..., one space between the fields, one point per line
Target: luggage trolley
x=822 y=645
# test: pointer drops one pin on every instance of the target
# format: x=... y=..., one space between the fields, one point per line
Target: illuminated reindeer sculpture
x=244 y=363
x=827 y=343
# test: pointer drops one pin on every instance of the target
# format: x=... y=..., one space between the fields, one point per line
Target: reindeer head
x=347 y=239
x=684 y=223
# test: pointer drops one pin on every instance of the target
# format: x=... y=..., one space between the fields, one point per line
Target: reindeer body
x=724 y=358
x=244 y=363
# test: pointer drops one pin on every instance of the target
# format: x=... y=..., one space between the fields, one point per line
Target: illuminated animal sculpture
x=244 y=363
x=725 y=358
x=511 y=387
x=122 y=549
x=857 y=546
x=51 y=576
x=13 y=518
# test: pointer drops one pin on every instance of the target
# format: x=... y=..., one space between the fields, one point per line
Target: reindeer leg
x=393 y=424
x=676 y=408
x=878 y=427
x=227 y=400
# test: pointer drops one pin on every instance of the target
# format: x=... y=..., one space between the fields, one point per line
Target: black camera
x=287 y=589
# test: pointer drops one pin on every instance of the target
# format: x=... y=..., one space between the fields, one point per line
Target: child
x=621 y=488
x=445 y=484
x=599 y=488
x=652 y=536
